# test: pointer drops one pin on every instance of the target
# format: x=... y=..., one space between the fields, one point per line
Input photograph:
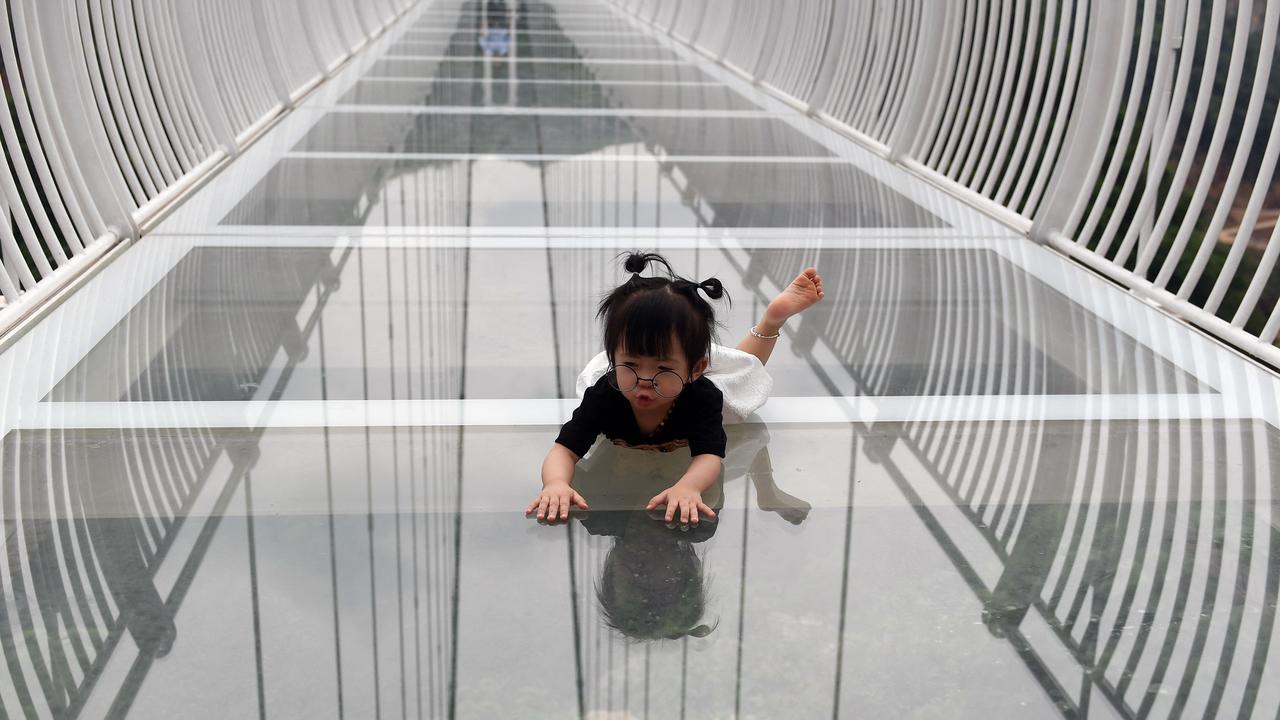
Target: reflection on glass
x=227 y=322
x=650 y=584
x=557 y=134
x=241 y=324
x=134 y=554
x=534 y=94
x=617 y=188
x=1137 y=555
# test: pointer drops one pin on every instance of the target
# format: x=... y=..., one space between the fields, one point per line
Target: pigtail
x=712 y=288
x=636 y=262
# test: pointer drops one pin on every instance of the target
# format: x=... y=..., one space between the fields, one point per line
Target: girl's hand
x=555 y=500
x=684 y=500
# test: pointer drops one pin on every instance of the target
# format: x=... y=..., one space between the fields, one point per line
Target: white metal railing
x=1139 y=137
x=114 y=109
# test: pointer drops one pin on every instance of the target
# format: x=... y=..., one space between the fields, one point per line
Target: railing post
x=723 y=51
x=825 y=70
x=923 y=73
x=307 y=26
x=85 y=136
x=206 y=89
x=271 y=57
x=773 y=9
x=702 y=18
x=1089 y=122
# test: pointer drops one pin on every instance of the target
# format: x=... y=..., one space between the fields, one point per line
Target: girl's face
x=643 y=397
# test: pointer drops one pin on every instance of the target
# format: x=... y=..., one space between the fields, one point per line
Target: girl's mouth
x=644 y=400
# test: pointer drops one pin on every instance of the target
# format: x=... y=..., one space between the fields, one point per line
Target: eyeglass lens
x=666 y=383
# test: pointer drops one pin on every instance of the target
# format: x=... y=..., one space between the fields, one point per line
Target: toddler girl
x=661 y=384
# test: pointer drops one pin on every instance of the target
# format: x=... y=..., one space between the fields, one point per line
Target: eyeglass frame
x=612 y=372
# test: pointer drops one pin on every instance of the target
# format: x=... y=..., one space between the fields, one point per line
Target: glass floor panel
x=469 y=35
x=464 y=44
x=523 y=94
x=556 y=134
x=464 y=67
x=591 y=23
x=540 y=51
x=272 y=458
x=397 y=323
x=882 y=568
x=596 y=191
x=470 y=38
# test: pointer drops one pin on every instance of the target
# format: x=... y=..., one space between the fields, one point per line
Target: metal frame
x=1042 y=114
x=116 y=108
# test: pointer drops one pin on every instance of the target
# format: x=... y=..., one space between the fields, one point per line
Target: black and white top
x=696 y=421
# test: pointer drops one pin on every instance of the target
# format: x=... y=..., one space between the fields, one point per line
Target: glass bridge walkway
x=272 y=460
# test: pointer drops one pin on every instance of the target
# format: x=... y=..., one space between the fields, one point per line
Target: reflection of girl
x=652 y=584
x=661 y=384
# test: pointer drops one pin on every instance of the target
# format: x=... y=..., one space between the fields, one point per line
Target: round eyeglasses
x=666 y=383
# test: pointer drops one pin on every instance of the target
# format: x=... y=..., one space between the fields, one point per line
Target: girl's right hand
x=554 y=502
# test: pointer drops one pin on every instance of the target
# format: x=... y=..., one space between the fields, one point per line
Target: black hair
x=642 y=313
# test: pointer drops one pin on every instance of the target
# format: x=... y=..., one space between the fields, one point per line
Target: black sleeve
x=580 y=433
x=706 y=427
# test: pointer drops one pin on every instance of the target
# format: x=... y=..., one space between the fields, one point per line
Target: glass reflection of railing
x=103 y=535
x=93 y=521
x=1144 y=556
x=1145 y=546
x=964 y=322
x=94 y=513
x=116 y=526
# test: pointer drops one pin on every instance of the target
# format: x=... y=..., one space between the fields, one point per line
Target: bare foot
x=804 y=291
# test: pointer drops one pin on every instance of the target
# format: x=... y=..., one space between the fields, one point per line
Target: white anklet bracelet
x=752 y=330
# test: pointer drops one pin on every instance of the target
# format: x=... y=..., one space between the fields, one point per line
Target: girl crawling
x=661 y=383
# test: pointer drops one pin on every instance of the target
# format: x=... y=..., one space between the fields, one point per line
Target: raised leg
x=803 y=292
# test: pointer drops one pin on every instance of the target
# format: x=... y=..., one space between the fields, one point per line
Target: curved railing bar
x=1153 y=116
x=895 y=71
x=1066 y=103
x=1140 y=231
x=141 y=100
x=1247 y=136
x=972 y=49
x=1001 y=74
x=160 y=84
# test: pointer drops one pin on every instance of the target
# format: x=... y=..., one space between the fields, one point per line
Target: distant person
x=661 y=384
x=496 y=39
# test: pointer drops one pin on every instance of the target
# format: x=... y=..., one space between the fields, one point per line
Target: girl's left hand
x=684 y=500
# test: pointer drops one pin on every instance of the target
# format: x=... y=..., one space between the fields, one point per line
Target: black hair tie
x=712 y=288
x=636 y=263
